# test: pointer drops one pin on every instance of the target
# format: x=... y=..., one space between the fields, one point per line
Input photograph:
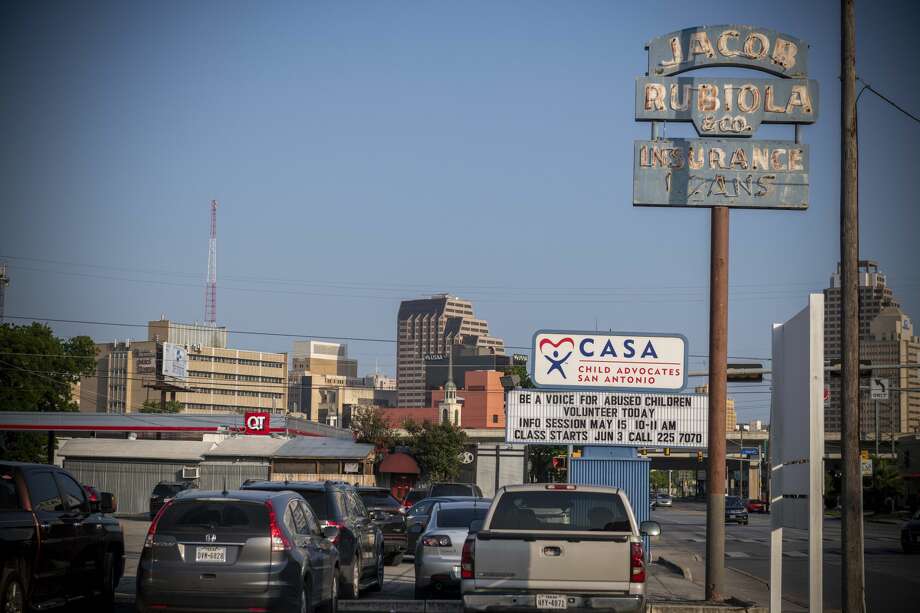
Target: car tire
x=13 y=594
x=305 y=604
x=379 y=575
x=745 y=522
x=421 y=593
x=332 y=605
x=106 y=600
x=907 y=546
x=351 y=587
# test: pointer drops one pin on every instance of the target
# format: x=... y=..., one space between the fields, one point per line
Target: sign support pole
x=718 y=380
x=852 y=578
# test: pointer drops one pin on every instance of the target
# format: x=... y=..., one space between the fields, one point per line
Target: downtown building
x=885 y=338
x=220 y=379
x=428 y=328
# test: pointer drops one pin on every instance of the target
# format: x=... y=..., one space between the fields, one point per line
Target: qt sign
x=612 y=361
x=257 y=423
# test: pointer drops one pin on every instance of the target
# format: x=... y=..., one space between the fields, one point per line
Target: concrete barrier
x=400 y=606
x=696 y=606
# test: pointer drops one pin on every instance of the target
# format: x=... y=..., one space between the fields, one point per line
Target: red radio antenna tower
x=210 y=292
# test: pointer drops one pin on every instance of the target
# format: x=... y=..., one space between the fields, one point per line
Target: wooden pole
x=718 y=381
x=852 y=573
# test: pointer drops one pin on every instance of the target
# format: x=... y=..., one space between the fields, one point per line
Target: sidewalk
x=669 y=583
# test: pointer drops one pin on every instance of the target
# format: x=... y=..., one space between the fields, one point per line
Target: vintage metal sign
x=710 y=172
x=606 y=418
x=727 y=45
x=567 y=359
x=726 y=106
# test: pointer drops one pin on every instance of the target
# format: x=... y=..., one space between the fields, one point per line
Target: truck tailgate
x=567 y=561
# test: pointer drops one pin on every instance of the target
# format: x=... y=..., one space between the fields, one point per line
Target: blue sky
x=366 y=152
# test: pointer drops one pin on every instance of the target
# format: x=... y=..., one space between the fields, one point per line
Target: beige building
x=892 y=341
x=220 y=379
x=428 y=327
x=323 y=358
x=731 y=418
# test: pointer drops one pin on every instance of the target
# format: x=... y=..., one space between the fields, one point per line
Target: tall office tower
x=429 y=327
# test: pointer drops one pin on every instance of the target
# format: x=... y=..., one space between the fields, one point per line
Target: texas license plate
x=551 y=601
x=211 y=554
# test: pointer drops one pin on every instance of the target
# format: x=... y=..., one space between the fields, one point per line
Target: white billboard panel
x=175 y=361
x=641 y=362
x=577 y=417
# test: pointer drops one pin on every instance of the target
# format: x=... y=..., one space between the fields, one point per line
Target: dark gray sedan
x=238 y=551
x=910 y=534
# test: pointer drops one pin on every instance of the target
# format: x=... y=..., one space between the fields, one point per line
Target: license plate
x=211 y=554
x=551 y=601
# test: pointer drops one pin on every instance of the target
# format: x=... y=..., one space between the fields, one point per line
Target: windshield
x=460 y=518
x=416 y=495
x=378 y=499
x=561 y=511
x=164 y=489
x=733 y=502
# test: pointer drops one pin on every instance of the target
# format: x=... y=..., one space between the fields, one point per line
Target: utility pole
x=718 y=381
x=852 y=572
x=4 y=281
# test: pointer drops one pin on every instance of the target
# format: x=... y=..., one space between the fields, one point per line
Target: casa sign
x=725 y=167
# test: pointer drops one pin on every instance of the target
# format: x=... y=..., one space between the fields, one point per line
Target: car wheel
x=421 y=593
x=907 y=546
x=378 y=579
x=351 y=588
x=107 y=595
x=305 y=605
x=13 y=595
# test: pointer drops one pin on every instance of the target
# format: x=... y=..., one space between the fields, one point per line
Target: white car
x=437 y=552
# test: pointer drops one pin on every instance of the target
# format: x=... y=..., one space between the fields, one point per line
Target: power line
x=886 y=99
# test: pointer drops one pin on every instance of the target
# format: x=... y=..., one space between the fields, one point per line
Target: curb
x=680 y=569
x=401 y=606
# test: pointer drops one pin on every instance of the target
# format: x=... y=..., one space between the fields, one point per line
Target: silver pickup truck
x=556 y=546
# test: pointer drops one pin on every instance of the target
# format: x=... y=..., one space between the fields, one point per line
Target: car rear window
x=451 y=489
x=213 y=514
x=416 y=495
x=460 y=518
x=561 y=511
x=9 y=497
x=379 y=499
x=166 y=490
x=319 y=502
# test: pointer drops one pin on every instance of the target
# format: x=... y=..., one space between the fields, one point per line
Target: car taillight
x=280 y=542
x=561 y=486
x=334 y=524
x=152 y=530
x=468 y=559
x=436 y=540
x=636 y=563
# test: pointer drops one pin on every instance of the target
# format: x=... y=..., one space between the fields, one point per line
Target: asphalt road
x=892 y=577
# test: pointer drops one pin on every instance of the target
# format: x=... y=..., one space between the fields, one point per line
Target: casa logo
x=257 y=423
x=636 y=361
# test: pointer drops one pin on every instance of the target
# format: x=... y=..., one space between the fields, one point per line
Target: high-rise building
x=323 y=358
x=892 y=341
x=205 y=335
x=874 y=296
x=731 y=417
x=428 y=327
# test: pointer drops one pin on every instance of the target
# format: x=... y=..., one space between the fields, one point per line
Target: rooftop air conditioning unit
x=189 y=472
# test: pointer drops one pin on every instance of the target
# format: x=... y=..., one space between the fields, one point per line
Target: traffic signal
x=667 y=451
x=699 y=456
x=643 y=451
x=755 y=377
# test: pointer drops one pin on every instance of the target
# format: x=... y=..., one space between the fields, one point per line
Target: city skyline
x=503 y=179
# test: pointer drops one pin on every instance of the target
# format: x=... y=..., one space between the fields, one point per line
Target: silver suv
x=556 y=546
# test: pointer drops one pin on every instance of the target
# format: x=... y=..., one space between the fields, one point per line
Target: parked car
x=437 y=554
x=359 y=541
x=164 y=491
x=389 y=514
x=735 y=511
x=556 y=546
x=755 y=506
x=910 y=534
x=418 y=515
x=414 y=496
x=238 y=551
x=55 y=546
x=454 y=489
x=663 y=500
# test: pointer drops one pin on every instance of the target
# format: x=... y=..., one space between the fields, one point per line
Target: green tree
x=886 y=485
x=153 y=406
x=38 y=372
x=370 y=427
x=541 y=467
x=437 y=448
x=658 y=480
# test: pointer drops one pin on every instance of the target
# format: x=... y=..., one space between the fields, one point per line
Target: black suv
x=166 y=490
x=454 y=489
x=735 y=510
x=390 y=515
x=242 y=551
x=360 y=540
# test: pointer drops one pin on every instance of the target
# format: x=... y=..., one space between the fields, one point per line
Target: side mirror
x=476 y=526
x=330 y=533
x=107 y=503
x=650 y=528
